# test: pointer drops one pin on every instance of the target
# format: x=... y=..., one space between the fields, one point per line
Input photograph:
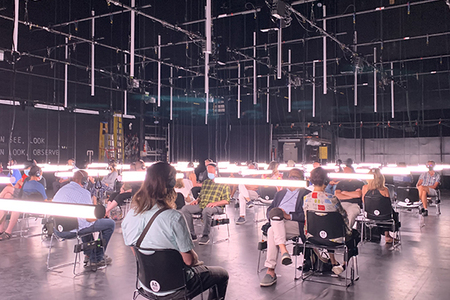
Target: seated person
x=321 y=201
x=273 y=166
x=247 y=193
x=202 y=176
x=74 y=193
x=211 y=200
x=286 y=218
x=107 y=184
x=169 y=231
x=427 y=185
x=10 y=192
x=375 y=189
x=31 y=186
x=349 y=193
x=15 y=173
x=332 y=184
x=59 y=183
x=184 y=186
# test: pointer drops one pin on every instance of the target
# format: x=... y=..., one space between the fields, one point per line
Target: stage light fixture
x=133 y=176
x=262 y=182
x=350 y=176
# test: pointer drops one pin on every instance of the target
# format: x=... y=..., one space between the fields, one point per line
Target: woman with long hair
x=169 y=230
x=375 y=188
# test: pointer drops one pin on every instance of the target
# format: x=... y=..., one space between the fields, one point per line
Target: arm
x=190 y=258
x=419 y=183
x=344 y=195
x=364 y=191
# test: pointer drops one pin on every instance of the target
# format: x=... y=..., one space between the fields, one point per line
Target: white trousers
x=353 y=210
x=278 y=233
x=244 y=193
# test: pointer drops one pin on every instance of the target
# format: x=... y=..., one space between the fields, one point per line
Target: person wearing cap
x=427 y=184
x=31 y=188
x=286 y=218
x=211 y=200
x=75 y=193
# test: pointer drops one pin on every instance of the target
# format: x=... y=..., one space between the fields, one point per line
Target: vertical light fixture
x=289 y=82
x=16 y=26
x=374 y=79
x=66 y=65
x=171 y=92
x=314 y=89
x=268 y=98
x=279 y=52
x=325 y=88
x=255 y=96
x=208 y=48
x=93 y=55
x=159 y=70
x=355 y=89
x=239 y=92
x=132 y=38
x=392 y=90
x=125 y=103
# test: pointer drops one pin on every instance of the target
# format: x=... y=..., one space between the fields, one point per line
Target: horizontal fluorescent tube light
x=133 y=176
x=395 y=171
x=86 y=111
x=97 y=166
x=93 y=172
x=349 y=176
x=54 y=168
x=125 y=116
x=6 y=180
x=179 y=176
x=49 y=107
x=64 y=174
x=16 y=167
x=9 y=102
x=256 y=172
x=49 y=208
x=184 y=169
x=262 y=182
x=123 y=167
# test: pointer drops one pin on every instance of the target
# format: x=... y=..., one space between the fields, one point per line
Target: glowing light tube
x=54 y=168
x=92 y=172
x=263 y=182
x=256 y=172
x=16 y=167
x=179 y=176
x=97 y=166
x=49 y=208
x=6 y=180
x=350 y=176
x=395 y=171
x=133 y=176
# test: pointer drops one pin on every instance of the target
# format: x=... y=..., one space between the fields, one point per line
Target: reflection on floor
x=418 y=270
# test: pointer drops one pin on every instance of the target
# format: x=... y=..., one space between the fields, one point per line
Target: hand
x=286 y=215
x=212 y=204
x=195 y=202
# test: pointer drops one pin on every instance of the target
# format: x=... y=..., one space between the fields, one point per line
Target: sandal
x=5 y=236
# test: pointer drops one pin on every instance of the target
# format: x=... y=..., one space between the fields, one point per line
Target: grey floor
x=418 y=270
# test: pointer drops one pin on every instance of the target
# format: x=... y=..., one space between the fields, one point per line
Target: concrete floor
x=418 y=270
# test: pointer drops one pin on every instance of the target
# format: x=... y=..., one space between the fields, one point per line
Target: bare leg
x=7 y=192
x=271 y=272
x=12 y=221
x=110 y=206
x=423 y=192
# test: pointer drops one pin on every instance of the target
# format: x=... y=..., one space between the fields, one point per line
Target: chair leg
x=49 y=251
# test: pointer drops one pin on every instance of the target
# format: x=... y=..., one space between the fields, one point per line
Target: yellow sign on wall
x=323 y=152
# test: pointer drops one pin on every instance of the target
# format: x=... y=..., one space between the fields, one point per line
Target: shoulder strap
x=141 y=238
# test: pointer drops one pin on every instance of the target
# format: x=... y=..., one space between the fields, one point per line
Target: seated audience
x=287 y=219
x=427 y=185
x=349 y=193
x=59 y=183
x=14 y=191
x=169 y=231
x=321 y=201
x=75 y=193
x=247 y=193
x=273 y=165
x=107 y=184
x=375 y=189
x=15 y=173
x=30 y=187
x=211 y=200
x=184 y=186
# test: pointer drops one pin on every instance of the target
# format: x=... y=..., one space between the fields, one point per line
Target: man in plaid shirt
x=211 y=200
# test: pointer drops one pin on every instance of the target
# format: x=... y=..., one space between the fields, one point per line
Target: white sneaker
x=338 y=269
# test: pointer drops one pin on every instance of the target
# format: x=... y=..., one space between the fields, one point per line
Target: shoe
x=286 y=259
x=338 y=269
x=268 y=280
x=86 y=260
x=240 y=221
x=204 y=240
x=425 y=212
x=194 y=237
x=250 y=204
x=5 y=236
x=106 y=261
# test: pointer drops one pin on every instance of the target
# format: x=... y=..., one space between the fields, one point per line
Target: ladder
x=118 y=138
x=102 y=142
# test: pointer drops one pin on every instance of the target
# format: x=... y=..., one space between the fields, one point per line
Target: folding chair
x=324 y=226
x=266 y=195
x=435 y=200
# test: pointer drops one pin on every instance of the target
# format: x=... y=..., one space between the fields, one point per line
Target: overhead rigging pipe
x=324 y=52
x=171 y=93
x=268 y=98
x=132 y=38
x=159 y=71
x=279 y=51
x=289 y=82
x=392 y=90
x=314 y=89
x=239 y=92
x=208 y=48
x=125 y=103
x=93 y=56
x=66 y=66
x=255 y=95
x=374 y=80
x=16 y=26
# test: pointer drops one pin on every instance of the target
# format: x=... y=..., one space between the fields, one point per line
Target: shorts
x=432 y=192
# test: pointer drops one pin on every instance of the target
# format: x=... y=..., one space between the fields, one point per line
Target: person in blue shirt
x=15 y=173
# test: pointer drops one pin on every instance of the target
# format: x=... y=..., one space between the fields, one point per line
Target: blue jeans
x=105 y=226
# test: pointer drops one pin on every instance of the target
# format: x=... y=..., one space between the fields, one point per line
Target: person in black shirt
x=349 y=193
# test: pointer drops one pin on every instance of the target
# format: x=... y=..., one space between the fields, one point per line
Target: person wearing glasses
x=427 y=184
x=286 y=218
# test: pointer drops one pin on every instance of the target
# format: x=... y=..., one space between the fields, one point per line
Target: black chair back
x=180 y=201
x=65 y=223
x=35 y=196
x=377 y=207
x=325 y=226
x=161 y=271
x=267 y=192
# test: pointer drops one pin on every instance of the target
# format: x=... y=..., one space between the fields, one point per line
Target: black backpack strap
x=141 y=238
